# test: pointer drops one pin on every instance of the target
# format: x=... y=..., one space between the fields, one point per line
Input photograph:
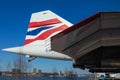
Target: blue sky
x=15 y=16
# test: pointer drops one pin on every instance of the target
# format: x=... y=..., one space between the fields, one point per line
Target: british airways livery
x=43 y=25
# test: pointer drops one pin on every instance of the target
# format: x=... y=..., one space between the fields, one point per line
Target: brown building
x=94 y=43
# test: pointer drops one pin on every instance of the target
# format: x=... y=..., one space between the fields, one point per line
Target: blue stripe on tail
x=38 y=30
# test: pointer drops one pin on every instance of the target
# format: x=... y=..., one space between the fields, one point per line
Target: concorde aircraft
x=43 y=25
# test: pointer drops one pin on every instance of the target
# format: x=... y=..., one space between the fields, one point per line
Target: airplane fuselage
x=38 y=51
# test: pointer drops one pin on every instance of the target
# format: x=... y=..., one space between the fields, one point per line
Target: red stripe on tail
x=46 y=34
x=43 y=23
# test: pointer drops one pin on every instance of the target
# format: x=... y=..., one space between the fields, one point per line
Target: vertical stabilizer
x=42 y=26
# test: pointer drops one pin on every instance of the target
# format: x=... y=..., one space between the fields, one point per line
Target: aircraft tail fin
x=43 y=25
